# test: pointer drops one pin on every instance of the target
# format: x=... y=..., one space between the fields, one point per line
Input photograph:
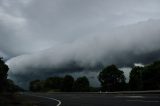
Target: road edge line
x=59 y=102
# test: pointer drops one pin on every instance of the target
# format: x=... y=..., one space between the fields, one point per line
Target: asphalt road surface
x=98 y=99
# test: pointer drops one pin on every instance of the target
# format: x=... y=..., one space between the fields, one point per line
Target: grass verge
x=15 y=99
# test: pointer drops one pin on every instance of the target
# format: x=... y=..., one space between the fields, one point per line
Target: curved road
x=97 y=99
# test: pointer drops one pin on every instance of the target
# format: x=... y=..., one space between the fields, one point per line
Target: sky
x=43 y=38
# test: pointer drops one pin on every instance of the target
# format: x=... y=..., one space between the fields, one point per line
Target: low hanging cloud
x=56 y=37
x=125 y=46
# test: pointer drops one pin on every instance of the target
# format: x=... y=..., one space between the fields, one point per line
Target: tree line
x=140 y=78
x=145 y=78
x=60 y=84
x=110 y=77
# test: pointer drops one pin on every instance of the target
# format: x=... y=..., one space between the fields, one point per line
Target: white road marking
x=130 y=96
x=142 y=101
x=59 y=102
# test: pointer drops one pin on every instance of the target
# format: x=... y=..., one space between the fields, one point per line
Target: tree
x=3 y=75
x=53 y=83
x=135 y=81
x=81 y=85
x=67 y=84
x=151 y=76
x=112 y=79
x=11 y=87
x=36 y=86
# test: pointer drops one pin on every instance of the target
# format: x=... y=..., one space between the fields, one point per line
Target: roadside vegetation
x=8 y=90
x=60 y=84
x=111 y=79
x=6 y=85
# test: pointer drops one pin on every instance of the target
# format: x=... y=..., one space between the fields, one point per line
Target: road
x=97 y=99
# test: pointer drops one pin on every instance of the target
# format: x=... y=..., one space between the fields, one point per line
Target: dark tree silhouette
x=135 y=81
x=112 y=79
x=53 y=83
x=81 y=85
x=67 y=84
x=151 y=76
x=36 y=86
x=3 y=75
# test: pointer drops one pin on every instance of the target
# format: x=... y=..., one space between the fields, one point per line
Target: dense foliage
x=53 y=83
x=67 y=84
x=112 y=79
x=151 y=76
x=3 y=75
x=63 y=84
x=81 y=85
x=36 y=85
x=6 y=85
x=135 y=81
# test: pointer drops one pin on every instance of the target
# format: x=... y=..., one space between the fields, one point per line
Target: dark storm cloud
x=94 y=52
x=54 y=37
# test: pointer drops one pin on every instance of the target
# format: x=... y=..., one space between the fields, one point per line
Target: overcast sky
x=39 y=38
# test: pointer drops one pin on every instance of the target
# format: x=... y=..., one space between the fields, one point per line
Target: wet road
x=97 y=99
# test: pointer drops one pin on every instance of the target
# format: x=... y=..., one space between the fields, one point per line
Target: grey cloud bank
x=93 y=52
x=57 y=37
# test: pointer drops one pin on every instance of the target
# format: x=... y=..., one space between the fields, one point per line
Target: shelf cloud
x=56 y=37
